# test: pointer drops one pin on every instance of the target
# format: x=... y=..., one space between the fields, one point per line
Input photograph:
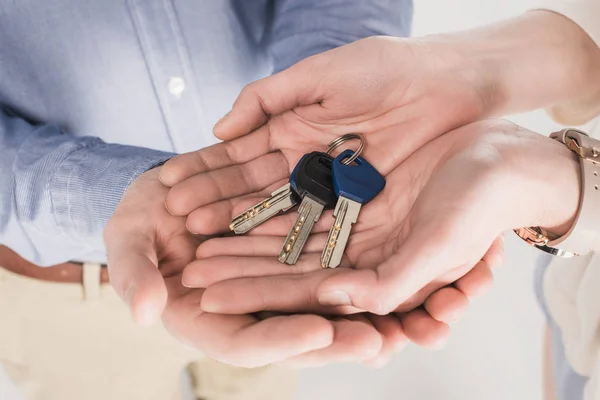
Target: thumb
x=134 y=274
x=419 y=260
x=293 y=87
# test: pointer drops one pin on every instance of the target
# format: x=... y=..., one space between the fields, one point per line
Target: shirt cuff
x=89 y=184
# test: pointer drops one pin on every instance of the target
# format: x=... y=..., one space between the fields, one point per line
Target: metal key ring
x=346 y=138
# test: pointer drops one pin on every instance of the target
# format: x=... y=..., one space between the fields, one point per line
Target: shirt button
x=176 y=86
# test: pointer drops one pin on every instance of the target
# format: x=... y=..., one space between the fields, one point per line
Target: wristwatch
x=584 y=234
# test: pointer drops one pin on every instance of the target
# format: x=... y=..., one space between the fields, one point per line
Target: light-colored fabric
x=586 y=14
x=571 y=290
x=95 y=92
x=566 y=383
x=571 y=287
x=78 y=342
x=91 y=278
x=218 y=381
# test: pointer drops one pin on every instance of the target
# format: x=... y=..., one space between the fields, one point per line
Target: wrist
x=537 y=60
x=550 y=178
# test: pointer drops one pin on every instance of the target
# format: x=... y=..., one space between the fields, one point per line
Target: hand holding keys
x=319 y=182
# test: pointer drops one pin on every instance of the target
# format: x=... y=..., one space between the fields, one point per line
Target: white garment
x=572 y=286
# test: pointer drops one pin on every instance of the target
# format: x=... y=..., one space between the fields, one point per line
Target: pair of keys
x=319 y=182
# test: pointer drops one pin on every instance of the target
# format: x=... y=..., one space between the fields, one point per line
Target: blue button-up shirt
x=95 y=92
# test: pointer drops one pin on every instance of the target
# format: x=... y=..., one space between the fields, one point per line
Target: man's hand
x=145 y=244
x=148 y=249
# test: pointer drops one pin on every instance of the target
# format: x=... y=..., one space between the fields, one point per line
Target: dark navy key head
x=360 y=182
x=312 y=175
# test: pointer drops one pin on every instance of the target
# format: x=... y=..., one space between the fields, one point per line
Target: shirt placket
x=170 y=71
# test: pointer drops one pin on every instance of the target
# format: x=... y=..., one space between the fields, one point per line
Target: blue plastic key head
x=360 y=182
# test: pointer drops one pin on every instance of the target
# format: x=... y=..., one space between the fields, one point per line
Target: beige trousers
x=61 y=341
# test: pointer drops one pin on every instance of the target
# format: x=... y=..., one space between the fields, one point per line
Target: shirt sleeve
x=59 y=190
x=586 y=14
x=302 y=28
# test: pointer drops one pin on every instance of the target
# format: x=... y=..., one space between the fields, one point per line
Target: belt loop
x=91 y=281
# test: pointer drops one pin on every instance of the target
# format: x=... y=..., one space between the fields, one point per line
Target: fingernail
x=335 y=298
x=186 y=284
x=223 y=118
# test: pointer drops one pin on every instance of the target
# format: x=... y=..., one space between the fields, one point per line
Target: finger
x=134 y=274
x=206 y=272
x=235 y=180
x=418 y=262
x=477 y=282
x=394 y=338
x=271 y=96
x=417 y=299
x=421 y=329
x=355 y=339
x=215 y=218
x=285 y=293
x=255 y=246
x=281 y=225
x=243 y=341
x=495 y=255
x=447 y=305
x=217 y=156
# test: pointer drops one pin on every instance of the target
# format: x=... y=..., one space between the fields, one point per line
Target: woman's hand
x=439 y=214
x=399 y=93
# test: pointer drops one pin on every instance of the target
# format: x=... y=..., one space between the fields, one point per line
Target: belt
x=70 y=272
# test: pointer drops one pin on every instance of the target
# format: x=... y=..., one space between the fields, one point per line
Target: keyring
x=346 y=138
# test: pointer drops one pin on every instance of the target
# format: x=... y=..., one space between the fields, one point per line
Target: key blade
x=308 y=213
x=346 y=214
x=280 y=201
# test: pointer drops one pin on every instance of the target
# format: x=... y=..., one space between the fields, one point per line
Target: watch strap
x=583 y=235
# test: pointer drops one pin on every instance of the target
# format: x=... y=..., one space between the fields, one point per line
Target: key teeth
x=308 y=212
x=281 y=200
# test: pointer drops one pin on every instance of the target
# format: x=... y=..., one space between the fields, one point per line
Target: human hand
x=221 y=259
x=147 y=250
x=402 y=94
x=440 y=212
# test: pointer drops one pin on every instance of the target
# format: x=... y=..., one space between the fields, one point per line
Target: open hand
x=439 y=214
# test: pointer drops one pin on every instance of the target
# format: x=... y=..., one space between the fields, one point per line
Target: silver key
x=280 y=201
x=355 y=185
x=308 y=213
x=345 y=214
x=311 y=180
